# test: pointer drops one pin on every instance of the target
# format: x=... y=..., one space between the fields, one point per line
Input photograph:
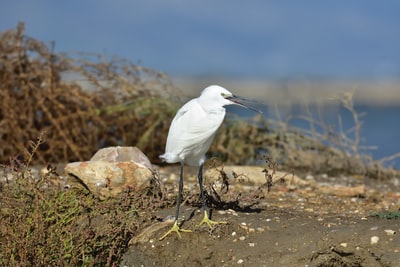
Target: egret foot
x=209 y=222
x=175 y=228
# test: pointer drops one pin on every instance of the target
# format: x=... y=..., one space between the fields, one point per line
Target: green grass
x=387 y=215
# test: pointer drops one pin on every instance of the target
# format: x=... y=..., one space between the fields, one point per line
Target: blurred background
x=285 y=54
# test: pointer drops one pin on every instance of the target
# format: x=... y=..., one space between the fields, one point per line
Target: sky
x=229 y=38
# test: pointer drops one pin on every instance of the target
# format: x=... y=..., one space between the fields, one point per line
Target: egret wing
x=192 y=130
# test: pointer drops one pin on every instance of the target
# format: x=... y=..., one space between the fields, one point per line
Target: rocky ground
x=303 y=221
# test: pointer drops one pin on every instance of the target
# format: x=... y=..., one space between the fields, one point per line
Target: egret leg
x=175 y=227
x=206 y=219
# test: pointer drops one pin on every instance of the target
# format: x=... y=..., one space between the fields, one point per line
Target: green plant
x=387 y=215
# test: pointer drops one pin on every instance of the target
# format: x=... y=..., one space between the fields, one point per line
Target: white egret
x=190 y=136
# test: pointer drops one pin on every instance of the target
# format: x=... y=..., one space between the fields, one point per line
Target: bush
x=80 y=104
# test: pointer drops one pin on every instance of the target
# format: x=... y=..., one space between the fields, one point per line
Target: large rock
x=122 y=154
x=253 y=176
x=112 y=170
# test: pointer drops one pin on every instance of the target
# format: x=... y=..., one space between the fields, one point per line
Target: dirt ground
x=313 y=223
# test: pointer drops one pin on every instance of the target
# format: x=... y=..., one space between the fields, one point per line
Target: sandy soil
x=306 y=224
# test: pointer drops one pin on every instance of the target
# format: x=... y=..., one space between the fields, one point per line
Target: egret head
x=215 y=96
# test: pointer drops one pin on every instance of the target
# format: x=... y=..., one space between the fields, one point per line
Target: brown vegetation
x=113 y=105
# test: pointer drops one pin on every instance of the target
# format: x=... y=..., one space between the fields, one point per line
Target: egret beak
x=238 y=100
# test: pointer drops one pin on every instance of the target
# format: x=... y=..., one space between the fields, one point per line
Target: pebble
x=242 y=238
x=390 y=232
x=261 y=230
x=244 y=228
x=343 y=245
x=310 y=177
x=231 y=211
x=277 y=219
x=240 y=261
x=374 y=240
x=252 y=244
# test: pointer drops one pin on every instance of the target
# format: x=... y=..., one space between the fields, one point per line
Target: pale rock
x=112 y=170
x=374 y=240
x=254 y=176
x=122 y=154
x=390 y=232
x=343 y=191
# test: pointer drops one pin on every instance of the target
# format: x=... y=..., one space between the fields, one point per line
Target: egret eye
x=224 y=95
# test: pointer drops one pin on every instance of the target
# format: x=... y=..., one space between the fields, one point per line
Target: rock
x=112 y=170
x=122 y=154
x=254 y=175
x=390 y=232
x=374 y=240
x=343 y=191
x=146 y=235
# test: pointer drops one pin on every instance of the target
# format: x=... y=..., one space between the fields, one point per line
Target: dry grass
x=107 y=102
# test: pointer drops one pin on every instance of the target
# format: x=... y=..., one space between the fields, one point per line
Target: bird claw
x=209 y=222
x=175 y=228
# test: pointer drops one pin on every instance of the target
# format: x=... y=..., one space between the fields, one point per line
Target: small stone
x=252 y=244
x=233 y=234
x=240 y=261
x=261 y=230
x=251 y=230
x=244 y=227
x=374 y=240
x=277 y=219
x=309 y=177
x=242 y=238
x=390 y=232
x=343 y=245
